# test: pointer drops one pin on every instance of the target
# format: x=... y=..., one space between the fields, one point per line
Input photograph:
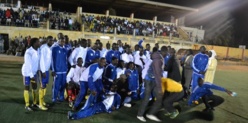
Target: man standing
x=200 y=65
x=113 y=53
x=110 y=73
x=59 y=68
x=153 y=78
x=91 y=55
x=45 y=65
x=29 y=71
x=79 y=52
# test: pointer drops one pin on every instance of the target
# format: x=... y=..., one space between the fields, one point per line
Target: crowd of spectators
x=30 y=17
x=106 y=24
x=33 y=17
x=18 y=45
x=63 y=21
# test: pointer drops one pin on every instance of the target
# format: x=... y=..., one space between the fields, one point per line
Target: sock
x=70 y=95
x=65 y=94
x=35 y=96
x=26 y=97
x=41 y=96
x=44 y=91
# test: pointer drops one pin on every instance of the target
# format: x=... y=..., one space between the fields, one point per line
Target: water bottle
x=234 y=94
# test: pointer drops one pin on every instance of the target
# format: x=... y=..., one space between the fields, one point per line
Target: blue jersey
x=110 y=73
x=200 y=63
x=166 y=59
x=200 y=91
x=91 y=56
x=140 y=43
x=111 y=54
x=59 y=60
x=68 y=49
x=93 y=74
x=97 y=54
x=133 y=80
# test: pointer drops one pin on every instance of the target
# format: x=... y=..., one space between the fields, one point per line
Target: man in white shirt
x=80 y=51
x=45 y=65
x=29 y=71
x=72 y=80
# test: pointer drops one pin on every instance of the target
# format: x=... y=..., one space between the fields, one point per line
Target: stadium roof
x=136 y=6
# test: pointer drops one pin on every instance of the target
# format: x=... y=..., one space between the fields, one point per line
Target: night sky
x=232 y=13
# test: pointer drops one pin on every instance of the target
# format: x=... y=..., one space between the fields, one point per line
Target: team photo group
x=94 y=78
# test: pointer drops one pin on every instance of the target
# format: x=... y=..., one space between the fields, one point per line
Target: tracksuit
x=59 y=66
x=199 y=65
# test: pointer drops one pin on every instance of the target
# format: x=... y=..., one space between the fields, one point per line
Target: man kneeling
x=110 y=103
x=73 y=80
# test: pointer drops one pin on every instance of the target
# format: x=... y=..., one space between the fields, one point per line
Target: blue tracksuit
x=98 y=54
x=200 y=91
x=111 y=54
x=59 y=66
x=133 y=82
x=199 y=64
x=91 y=56
x=93 y=75
x=110 y=75
x=140 y=43
x=103 y=106
x=90 y=78
x=166 y=59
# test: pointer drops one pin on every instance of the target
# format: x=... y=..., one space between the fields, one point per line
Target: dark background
x=225 y=21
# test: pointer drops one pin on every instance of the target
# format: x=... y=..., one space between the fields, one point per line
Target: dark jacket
x=173 y=69
x=157 y=65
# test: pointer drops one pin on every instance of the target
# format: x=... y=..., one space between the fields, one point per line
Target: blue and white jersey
x=97 y=54
x=200 y=62
x=45 y=58
x=68 y=49
x=110 y=72
x=133 y=80
x=59 y=60
x=31 y=63
x=76 y=53
x=112 y=99
x=205 y=89
x=90 y=56
x=147 y=54
x=92 y=74
x=140 y=43
x=112 y=53
x=148 y=63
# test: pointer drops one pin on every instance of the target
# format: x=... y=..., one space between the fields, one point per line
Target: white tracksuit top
x=45 y=58
x=31 y=63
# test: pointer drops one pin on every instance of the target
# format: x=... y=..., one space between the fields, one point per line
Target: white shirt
x=76 y=53
x=31 y=63
x=103 y=52
x=45 y=58
x=148 y=62
x=126 y=58
x=75 y=74
x=120 y=71
x=109 y=100
x=137 y=60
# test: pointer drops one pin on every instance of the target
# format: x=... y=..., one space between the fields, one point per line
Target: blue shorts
x=45 y=81
x=27 y=80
